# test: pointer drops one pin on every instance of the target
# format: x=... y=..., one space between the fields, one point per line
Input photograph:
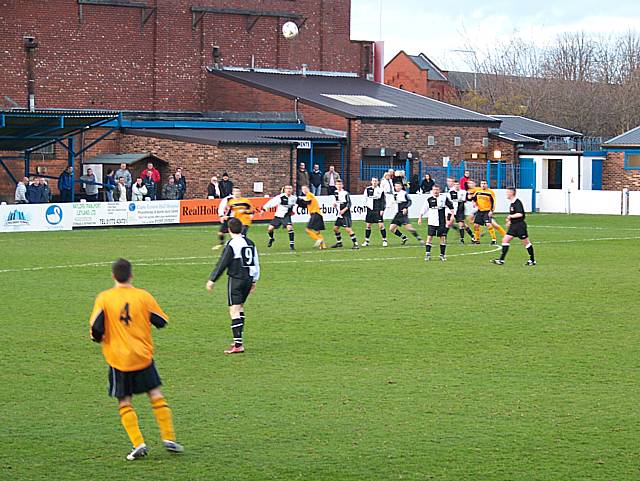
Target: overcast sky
x=437 y=28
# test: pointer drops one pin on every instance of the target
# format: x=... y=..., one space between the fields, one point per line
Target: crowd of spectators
x=32 y=191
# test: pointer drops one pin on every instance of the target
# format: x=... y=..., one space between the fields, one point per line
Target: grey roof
x=212 y=116
x=234 y=136
x=315 y=90
x=423 y=62
x=532 y=128
x=117 y=159
x=514 y=137
x=629 y=138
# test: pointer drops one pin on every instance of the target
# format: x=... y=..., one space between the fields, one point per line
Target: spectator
x=302 y=178
x=414 y=184
x=65 y=184
x=150 y=184
x=226 y=186
x=151 y=171
x=330 y=179
x=124 y=172
x=120 y=192
x=181 y=182
x=91 y=188
x=315 y=180
x=21 y=191
x=139 y=190
x=213 y=189
x=427 y=184
x=387 y=183
x=109 y=184
x=34 y=192
x=464 y=179
x=171 y=190
x=46 y=191
x=398 y=177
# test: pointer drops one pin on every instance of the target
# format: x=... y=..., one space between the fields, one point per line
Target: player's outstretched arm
x=223 y=263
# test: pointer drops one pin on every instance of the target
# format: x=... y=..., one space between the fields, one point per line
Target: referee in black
x=240 y=259
x=517 y=227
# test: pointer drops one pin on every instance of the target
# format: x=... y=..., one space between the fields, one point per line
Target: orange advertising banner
x=206 y=210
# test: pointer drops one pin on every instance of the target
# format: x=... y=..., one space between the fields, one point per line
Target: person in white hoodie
x=21 y=191
x=138 y=190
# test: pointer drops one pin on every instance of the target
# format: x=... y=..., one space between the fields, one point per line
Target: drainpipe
x=30 y=45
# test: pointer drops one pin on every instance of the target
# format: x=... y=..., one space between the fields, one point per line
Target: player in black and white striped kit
x=440 y=215
x=403 y=201
x=458 y=198
x=343 y=204
x=240 y=259
x=376 y=203
x=284 y=204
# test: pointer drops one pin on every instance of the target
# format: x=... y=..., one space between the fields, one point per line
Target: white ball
x=290 y=30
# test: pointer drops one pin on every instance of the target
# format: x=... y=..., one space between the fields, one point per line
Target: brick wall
x=508 y=149
x=615 y=177
x=402 y=73
x=109 y=60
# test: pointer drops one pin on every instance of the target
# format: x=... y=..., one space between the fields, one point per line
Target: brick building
x=418 y=74
x=621 y=168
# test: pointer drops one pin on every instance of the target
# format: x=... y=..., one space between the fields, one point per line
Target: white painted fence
x=609 y=202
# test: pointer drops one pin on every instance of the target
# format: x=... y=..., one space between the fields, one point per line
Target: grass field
x=360 y=365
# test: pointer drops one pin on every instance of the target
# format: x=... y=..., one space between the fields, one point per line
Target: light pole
x=475 y=67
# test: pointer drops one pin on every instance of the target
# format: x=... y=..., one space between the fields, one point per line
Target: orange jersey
x=485 y=199
x=241 y=209
x=313 y=206
x=121 y=320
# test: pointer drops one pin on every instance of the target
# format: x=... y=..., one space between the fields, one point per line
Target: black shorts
x=278 y=222
x=437 y=231
x=238 y=290
x=460 y=212
x=344 y=221
x=482 y=218
x=224 y=227
x=128 y=383
x=316 y=222
x=373 y=217
x=518 y=229
x=400 y=219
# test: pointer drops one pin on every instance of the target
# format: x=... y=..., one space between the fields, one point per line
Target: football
x=290 y=30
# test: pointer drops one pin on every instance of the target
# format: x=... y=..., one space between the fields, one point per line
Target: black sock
x=399 y=234
x=443 y=249
x=339 y=237
x=469 y=231
x=291 y=237
x=428 y=248
x=530 y=251
x=383 y=233
x=461 y=234
x=221 y=238
x=237 y=326
x=505 y=249
x=415 y=234
x=354 y=239
x=367 y=234
x=270 y=234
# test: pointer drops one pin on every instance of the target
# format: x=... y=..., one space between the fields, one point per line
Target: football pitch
x=360 y=365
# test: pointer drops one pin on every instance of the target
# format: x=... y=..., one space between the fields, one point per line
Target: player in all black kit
x=343 y=204
x=240 y=259
x=376 y=203
x=403 y=201
x=517 y=227
x=440 y=215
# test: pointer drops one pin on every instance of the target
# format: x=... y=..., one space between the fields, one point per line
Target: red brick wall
x=508 y=149
x=111 y=61
x=401 y=72
x=614 y=177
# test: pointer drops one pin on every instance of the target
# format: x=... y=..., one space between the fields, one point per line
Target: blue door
x=596 y=174
x=528 y=178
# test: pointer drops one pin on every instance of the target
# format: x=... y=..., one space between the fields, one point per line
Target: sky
x=439 y=28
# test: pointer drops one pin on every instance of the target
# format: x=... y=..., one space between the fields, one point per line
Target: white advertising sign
x=100 y=214
x=36 y=217
x=157 y=212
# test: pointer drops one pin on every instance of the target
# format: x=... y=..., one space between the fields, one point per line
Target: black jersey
x=240 y=259
x=516 y=207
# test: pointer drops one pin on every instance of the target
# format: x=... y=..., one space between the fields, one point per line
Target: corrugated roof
x=532 y=128
x=117 y=159
x=423 y=62
x=234 y=136
x=514 y=137
x=314 y=89
x=629 y=138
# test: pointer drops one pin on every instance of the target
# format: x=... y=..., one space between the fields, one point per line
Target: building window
x=457 y=141
x=485 y=142
x=47 y=152
x=431 y=140
x=632 y=161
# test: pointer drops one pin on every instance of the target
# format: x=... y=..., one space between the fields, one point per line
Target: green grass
x=365 y=365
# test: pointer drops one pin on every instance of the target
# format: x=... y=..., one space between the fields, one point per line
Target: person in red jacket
x=155 y=174
x=464 y=179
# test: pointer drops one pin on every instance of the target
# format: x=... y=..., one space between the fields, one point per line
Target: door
x=554 y=174
x=596 y=174
x=527 y=174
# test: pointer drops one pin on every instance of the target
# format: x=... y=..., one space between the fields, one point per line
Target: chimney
x=217 y=60
x=30 y=45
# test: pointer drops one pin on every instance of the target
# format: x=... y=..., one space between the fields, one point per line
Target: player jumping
x=343 y=205
x=284 y=204
x=517 y=228
x=403 y=201
x=439 y=210
x=121 y=321
x=376 y=203
x=240 y=259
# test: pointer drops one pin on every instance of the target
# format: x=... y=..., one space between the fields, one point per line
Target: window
x=485 y=141
x=632 y=161
x=47 y=152
x=457 y=141
x=431 y=140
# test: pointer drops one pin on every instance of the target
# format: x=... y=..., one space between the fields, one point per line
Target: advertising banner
x=206 y=210
x=35 y=217
x=100 y=214
x=152 y=213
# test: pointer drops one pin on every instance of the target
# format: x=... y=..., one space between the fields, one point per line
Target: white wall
x=595 y=202
x=634 y=203
x=551 y=200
